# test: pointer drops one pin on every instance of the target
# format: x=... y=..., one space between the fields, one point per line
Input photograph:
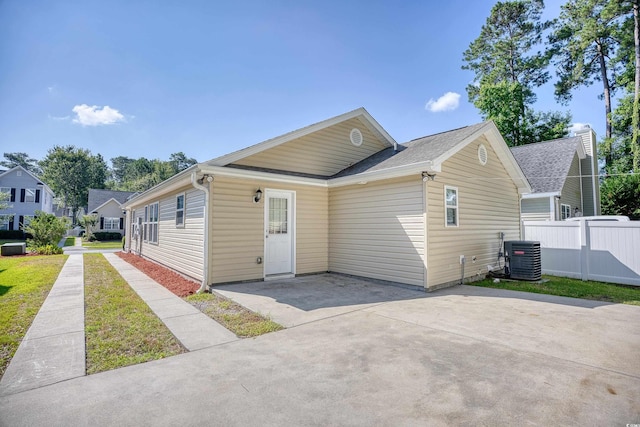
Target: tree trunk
x=607 y=99
x=635 y=143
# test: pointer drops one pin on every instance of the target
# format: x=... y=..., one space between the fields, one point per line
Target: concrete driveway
x=463 y=355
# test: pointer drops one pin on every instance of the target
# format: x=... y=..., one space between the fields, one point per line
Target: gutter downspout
x=205 y=265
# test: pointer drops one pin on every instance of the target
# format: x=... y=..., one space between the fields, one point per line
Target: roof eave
x=541 y=195
x=508 y=160
x=268 y=176
x=389 y=173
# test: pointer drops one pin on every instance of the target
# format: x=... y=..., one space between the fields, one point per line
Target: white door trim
x=293 y=233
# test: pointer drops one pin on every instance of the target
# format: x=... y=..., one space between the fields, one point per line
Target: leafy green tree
x=179 y=161
x=584 y=47
x=141 y=174
x=47 y=230
x=508 y=68
x=21 y=159
x=620 y=195
x=88 y=222
x=70 y=172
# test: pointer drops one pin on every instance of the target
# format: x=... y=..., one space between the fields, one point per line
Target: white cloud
x=577 y=126
x=59 y=118
x=447 y=102
x=96 y=116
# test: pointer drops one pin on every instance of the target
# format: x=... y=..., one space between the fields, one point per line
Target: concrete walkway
x=53 y=349
x=194 y=329
x=77 y=248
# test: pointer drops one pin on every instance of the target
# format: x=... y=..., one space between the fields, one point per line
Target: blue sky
x=150 y=78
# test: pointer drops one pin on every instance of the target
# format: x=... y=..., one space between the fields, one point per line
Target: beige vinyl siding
x=590 y=168
x=377 y=230
x=536 y=209
x=488 y=202
x=237 y=229
x=324 y=153
x=181 y=249
x=570 y=194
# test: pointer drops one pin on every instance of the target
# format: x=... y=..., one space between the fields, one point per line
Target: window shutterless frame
x=180 y=209
x=451 y=217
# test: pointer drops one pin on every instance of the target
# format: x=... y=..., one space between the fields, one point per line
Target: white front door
x=278 y=232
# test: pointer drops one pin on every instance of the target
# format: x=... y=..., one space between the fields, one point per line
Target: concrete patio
x=367 y=354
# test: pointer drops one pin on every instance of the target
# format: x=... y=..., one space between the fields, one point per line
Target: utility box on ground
x=523 y=260
x=9 y=249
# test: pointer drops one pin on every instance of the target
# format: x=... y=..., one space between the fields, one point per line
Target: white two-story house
x=27 y=194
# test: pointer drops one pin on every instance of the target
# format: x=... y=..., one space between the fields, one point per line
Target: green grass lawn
x=70 y=241
x=574 y=288
x=236 y=318
x=24 y=284
x=120 y=328
x=109 y=244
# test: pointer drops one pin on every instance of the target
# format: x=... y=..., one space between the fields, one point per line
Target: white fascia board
x=154 y=193
x=270 y=143
x=508 y=160
x=459 y=146
x=390 y=173
x=267 y=176
x=397 y=172
x=105 y=204
x=581 y=151
x=540 y=195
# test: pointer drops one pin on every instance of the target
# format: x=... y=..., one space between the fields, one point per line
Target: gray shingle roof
x=99 y=197
x=546 y=164
x=418 y=150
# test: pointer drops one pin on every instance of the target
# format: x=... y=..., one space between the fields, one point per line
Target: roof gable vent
x=482 y=154
x=356 y=137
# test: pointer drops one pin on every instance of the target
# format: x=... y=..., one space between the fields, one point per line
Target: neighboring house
x=563 y=176
x=28 y=194
x=107 y=206
x=341 y=196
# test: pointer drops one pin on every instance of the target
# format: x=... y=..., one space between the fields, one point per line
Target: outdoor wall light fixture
x=258 y=196
x=426 y=176
x=207 y=178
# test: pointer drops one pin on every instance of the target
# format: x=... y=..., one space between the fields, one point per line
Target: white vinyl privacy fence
x=606 y=251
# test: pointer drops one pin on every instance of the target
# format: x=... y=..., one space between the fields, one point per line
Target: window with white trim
x=145 y=224
x=111 y=224
x=451 y=206
x=153 y=223
x=565 y=211
x=180 y=210
x=4 y=222
x=29 y=195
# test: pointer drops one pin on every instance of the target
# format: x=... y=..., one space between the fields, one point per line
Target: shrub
x=46 y=229
x=46 y=249
x=107 y=235
x=620 y=195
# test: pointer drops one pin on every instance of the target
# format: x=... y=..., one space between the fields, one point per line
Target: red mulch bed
x=169 y=279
